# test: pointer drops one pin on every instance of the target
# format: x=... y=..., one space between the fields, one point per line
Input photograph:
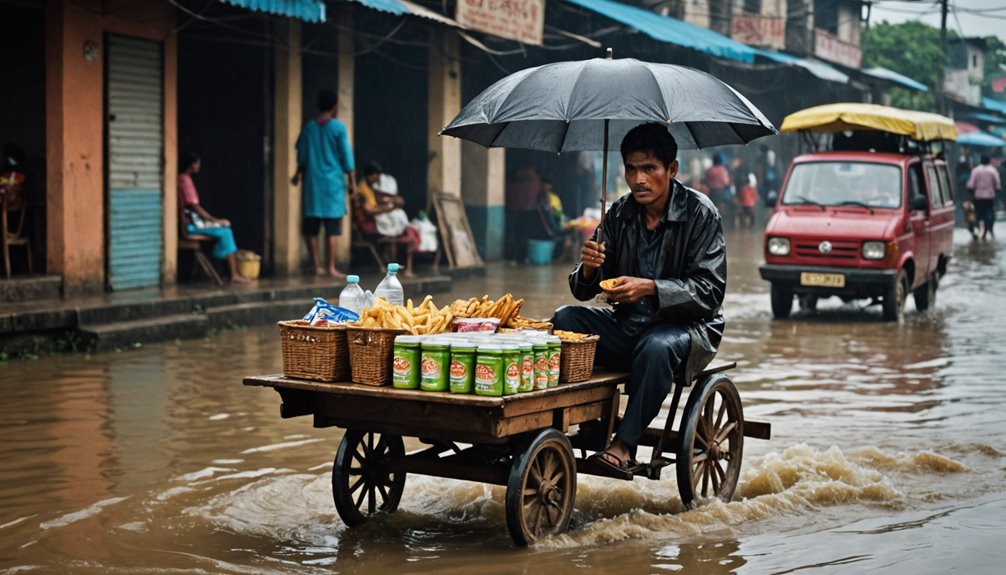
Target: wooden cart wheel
x=541 y=488
x=362 y=486
x=712 y=441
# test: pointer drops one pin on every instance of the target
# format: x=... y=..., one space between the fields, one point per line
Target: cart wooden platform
x=521 y=441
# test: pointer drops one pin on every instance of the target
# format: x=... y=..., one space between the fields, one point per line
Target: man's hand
x=591 y=258
x=630 y=289
x=224 y=222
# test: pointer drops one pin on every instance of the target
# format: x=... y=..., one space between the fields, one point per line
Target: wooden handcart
x=520 y=441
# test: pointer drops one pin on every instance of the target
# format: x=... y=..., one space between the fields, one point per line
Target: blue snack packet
x=324 y=312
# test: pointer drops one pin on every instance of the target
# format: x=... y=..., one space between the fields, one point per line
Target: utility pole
x=941 y=98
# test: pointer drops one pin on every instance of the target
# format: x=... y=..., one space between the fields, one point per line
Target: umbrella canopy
x=980 y=139
x=581 y=105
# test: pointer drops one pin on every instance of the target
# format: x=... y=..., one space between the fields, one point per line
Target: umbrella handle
x=604 y=184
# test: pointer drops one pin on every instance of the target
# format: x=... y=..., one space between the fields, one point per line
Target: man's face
x=373 y=178
x=648 y=178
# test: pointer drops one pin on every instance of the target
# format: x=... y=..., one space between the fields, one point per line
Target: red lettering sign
x=521 y=20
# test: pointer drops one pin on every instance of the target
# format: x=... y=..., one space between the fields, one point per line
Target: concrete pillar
x=169 y=262
x=287 y=113
x=347 y=71
x=483 y=192
x=74 y=148
x=444 y=173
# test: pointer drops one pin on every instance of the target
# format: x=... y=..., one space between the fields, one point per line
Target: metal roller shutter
x=135 y=162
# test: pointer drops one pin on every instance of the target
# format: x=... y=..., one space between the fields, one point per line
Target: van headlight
x=874 y=250
x=778 y=246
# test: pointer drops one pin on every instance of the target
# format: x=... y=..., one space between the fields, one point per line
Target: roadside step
x=108 y=337
x=256 y=313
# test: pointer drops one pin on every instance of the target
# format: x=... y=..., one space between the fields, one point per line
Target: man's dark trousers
x=651 y=352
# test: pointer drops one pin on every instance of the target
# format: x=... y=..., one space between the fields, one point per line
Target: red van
x=863 y=223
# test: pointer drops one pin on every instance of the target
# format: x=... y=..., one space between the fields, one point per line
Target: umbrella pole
x=604 y=184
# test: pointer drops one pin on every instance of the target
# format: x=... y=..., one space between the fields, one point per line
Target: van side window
x=948 y=192
x=914 y=181
x=934 y=187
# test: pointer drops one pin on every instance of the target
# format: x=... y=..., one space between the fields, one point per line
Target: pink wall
x=75 y=194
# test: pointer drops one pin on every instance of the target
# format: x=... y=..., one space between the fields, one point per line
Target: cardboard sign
x=520 y=20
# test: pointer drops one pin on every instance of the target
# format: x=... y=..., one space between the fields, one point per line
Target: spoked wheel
x=362 y=486
x=712 y=444
x=541 y=489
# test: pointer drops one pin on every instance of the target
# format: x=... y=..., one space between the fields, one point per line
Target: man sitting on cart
x=663 y=248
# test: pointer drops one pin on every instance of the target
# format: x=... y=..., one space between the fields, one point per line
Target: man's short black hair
x=651 y=137
x=327 y=99
x=371 y=168
x=986 y=159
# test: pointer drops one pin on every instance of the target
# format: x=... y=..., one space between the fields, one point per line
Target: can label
x=434 y=370
x=553 y=368
x=527 y=372
x=540 y=371
x=431 y=369
x=404 y=371
x=459 y=371
x=488 y=375
x=512 y=383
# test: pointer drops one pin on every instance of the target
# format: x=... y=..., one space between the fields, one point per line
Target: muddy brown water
x=886 y=456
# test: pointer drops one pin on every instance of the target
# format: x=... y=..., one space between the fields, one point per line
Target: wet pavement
x=886 y=456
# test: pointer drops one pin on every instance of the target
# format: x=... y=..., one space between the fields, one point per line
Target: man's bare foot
x=240 y=279
x=408 y=273
x=336 y=274
x=319 y=271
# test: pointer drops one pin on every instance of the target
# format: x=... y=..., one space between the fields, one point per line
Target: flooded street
x=886 y=455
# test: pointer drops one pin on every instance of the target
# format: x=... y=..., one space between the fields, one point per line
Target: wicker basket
x=314 y=352
x=370 y=353
x=577 y=360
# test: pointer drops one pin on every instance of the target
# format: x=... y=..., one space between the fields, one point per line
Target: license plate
x=825 y=280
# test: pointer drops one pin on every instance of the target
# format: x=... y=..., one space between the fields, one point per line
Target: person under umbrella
x=662 y=262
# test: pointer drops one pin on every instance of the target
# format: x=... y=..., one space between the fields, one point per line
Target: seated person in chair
x=553 y=219
x=663 y=251
x=377 y=209
x=196 y=221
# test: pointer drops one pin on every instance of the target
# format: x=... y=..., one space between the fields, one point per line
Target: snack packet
x=324 y=313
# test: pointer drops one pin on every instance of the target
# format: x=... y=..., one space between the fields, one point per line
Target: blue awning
x=306 y=10
x=994 y=105
x=404 y=7
x=671 y=30
x=987 y=118
x=892 y=76
x=815 y=67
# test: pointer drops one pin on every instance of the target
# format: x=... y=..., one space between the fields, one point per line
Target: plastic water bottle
x=390 y=288
x=352 y=297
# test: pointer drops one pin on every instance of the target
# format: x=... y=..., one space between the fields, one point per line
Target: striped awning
x=306 y=10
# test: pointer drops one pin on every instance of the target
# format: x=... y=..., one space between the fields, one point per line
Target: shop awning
x=671 y=30
x=815 y=67
x=404 y=7
x=988 y=118
x=994 y=105
x=306 y=10
x=892 y=76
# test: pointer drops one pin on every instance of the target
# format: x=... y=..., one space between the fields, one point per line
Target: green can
x=511 y=368
x=489 y=370
x=462 y=373
x=554 y=355
x=526 y=368
x=540 y=365
x=405 y=362
x=436 y=358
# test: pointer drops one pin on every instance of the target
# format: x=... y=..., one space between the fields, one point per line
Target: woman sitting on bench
x=196 y=221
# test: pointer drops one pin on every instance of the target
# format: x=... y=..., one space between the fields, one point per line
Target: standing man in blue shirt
x=325 y=160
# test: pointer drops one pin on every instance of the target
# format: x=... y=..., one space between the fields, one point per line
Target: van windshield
x=844 y=184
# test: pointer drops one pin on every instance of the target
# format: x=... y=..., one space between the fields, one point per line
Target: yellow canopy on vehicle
x=852 y=116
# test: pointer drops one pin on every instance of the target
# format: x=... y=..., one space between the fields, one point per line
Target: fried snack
x=520 y=322
x=504 y=308
x=609 y=283
x=570 y=335
x=425 y=318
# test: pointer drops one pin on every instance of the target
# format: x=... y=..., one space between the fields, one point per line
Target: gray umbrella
x=571 y=106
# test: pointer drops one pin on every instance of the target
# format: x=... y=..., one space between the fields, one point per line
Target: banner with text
x=520 y=20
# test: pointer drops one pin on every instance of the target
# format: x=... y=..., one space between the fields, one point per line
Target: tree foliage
x=910 y=48
x=995 y=65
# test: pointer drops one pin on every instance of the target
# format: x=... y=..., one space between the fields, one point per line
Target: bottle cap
x=353 y=279
x=393 y=268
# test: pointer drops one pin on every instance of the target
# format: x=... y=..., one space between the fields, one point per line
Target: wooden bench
x=194 y=243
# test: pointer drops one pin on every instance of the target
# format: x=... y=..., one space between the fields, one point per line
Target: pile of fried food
x=425 y=318
x=570 y=335
x=504 y=309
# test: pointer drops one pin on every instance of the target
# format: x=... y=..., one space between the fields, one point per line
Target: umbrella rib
x=562 y=140
x=695 y=137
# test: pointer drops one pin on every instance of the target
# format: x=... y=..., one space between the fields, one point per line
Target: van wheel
x=782 y=302
x=807 y=302
x=925 y=295
x=894 y=298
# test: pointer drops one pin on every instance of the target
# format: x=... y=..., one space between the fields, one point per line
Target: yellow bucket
x=249 y=263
